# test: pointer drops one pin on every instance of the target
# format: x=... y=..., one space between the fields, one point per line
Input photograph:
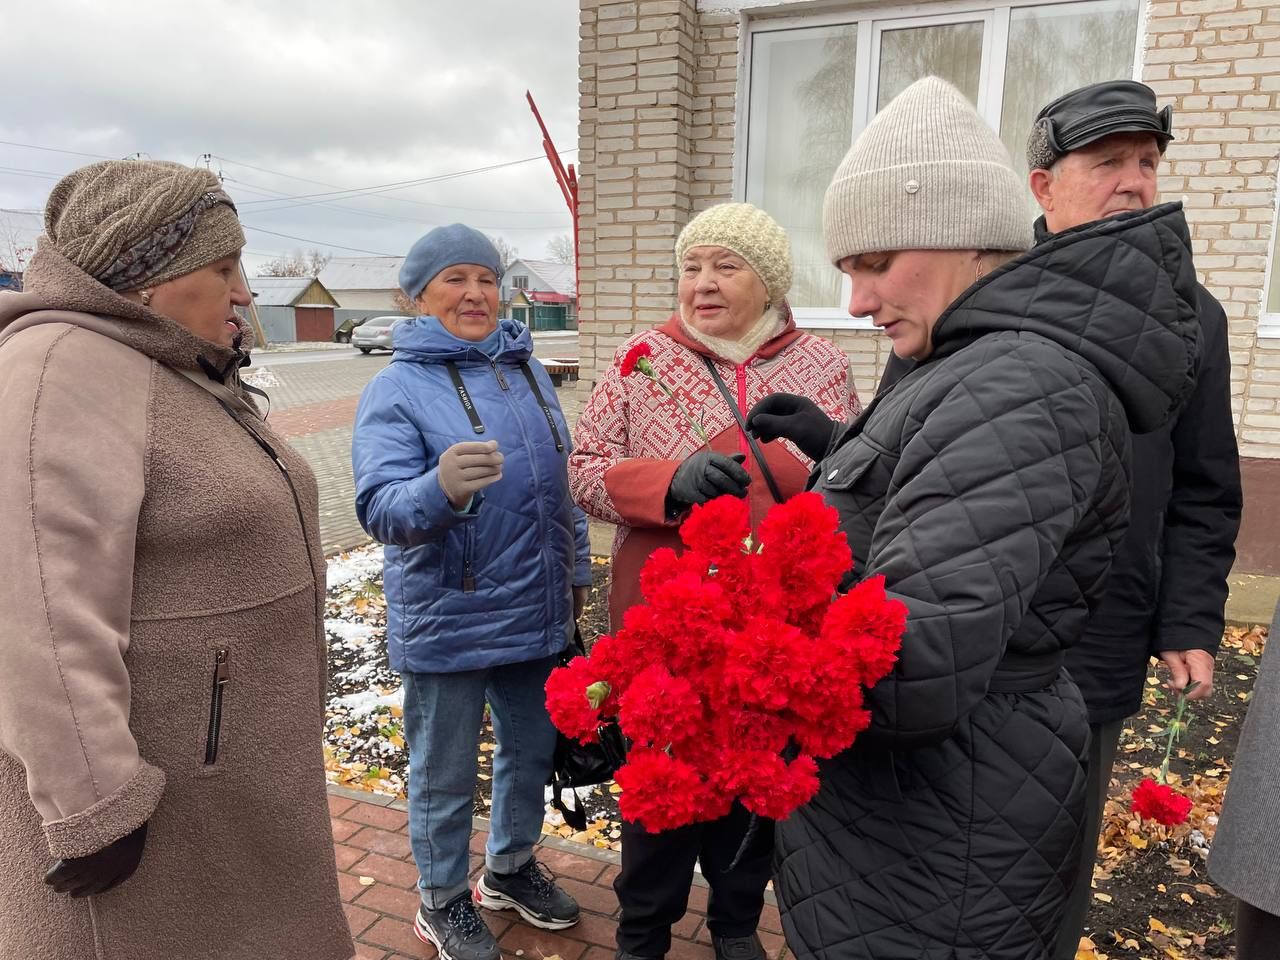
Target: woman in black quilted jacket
x=989 y=487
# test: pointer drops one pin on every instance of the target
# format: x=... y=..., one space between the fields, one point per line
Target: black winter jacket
x=989 y=487
x=1168 y=585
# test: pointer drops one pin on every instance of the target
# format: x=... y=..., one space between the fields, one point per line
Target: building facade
x=686 y=103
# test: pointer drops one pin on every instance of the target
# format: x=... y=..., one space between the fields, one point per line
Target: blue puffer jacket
x=489 y=585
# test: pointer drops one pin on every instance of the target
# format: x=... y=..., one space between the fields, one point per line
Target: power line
x=74 y=153
x=376 y=189
x=323 y=243
x=24 y=172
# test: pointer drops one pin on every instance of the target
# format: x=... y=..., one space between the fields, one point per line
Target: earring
x=146 y=298
x=979 y=270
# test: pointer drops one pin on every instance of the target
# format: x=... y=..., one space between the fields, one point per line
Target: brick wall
x=1218 y=63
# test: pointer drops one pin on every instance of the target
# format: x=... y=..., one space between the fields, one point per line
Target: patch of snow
x=359 y=565
x=366 y=701
x=351 y=634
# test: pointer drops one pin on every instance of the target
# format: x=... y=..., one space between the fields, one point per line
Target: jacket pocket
x=843 y=469
x=218 y=688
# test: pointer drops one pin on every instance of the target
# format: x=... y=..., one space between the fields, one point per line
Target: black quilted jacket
x=990 y=488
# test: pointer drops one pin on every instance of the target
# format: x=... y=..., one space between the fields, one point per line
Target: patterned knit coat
x=631 y=438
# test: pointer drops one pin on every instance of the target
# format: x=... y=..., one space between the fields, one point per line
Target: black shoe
x=531 y=892
x=738 y=948
x=623 y=955
x=457 y=931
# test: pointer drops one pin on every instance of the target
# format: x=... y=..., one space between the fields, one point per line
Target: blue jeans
x=442 y=717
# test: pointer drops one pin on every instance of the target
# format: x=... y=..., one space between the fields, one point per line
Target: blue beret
x=445 y=247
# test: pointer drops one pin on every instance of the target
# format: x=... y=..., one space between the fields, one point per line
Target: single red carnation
x=780 y=787
x=659 y=709
x=718 y=527
x=803 y=554
x=661 y=793
x=862 y=631
x=664 y=564
x=567 y=703
x=1161 y=803
x=633 y=357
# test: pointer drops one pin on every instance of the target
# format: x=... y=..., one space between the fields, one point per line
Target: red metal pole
x=567 y=180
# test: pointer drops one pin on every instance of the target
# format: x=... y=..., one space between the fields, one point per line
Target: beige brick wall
x=656 y=142
x=1218 y=63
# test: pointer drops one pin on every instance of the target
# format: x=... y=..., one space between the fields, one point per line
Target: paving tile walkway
x=372 y=844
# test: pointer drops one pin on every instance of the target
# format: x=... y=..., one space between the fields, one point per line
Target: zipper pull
x=502 y=381
x=222 y=668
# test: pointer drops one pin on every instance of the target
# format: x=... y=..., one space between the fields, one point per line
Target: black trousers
x=1257 y=933
x=657 y=873
x=1104 y=740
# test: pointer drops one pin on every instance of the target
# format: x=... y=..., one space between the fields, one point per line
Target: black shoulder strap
x=546 y=410
x=742 y=425
x=464 y=398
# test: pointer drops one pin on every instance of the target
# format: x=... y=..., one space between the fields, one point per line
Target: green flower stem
x=1176 y=729
x=645 y=367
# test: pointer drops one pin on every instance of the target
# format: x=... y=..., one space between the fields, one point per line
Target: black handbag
x=583 y=765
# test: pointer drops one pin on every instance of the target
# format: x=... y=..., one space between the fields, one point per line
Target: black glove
x=794 y=418
x=706 y=475
x=99 y=872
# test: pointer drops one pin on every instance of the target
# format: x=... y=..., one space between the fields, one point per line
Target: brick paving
x=371 y=844
x=313 y=405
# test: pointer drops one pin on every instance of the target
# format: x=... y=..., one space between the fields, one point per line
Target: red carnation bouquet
x=741 y=668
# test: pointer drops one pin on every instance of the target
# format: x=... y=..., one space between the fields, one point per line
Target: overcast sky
x=294 y=99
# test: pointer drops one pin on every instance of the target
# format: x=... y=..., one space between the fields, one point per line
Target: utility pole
x=565 y=178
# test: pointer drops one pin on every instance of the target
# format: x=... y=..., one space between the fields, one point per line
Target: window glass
x=952 y=51
x=801 y=125
x=1057 y=48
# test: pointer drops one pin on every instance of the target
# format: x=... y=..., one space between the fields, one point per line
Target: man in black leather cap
x=1094 y=153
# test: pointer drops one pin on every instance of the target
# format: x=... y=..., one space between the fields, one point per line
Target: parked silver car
x=375 y=333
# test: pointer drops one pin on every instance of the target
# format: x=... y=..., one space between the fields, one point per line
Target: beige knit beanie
x=750 y=233
x=926 y=174
x=136 y=223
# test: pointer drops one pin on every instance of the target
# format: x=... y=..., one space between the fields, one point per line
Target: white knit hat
x=750 y=233
x=926 y=174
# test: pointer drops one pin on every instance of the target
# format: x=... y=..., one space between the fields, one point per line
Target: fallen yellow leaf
x=1157 y=926
x=1207 y=890
x=367 y=881
x=1104 y=897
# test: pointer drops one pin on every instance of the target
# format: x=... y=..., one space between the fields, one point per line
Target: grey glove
x=706 y=475
x=467 y=468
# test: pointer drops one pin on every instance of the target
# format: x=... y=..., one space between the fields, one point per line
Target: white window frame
x=1269 y=323
x=871 y=22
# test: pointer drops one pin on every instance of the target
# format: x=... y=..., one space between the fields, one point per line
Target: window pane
x=800 y=125
x=1055 y=49
x=951 y=51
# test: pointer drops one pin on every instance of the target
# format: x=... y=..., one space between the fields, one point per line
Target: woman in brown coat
x=162 y=663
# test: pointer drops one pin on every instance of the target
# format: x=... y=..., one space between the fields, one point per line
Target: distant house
x=364 y=283
x=541 y=294
x=294 y=308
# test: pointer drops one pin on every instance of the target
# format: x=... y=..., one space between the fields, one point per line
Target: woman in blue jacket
x=459 y=453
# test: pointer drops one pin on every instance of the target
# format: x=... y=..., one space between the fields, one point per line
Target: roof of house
x=362 y=273
x=554 y=277
x=278 y=291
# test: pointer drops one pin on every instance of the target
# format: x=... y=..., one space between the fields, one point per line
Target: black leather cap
x=1090 y=113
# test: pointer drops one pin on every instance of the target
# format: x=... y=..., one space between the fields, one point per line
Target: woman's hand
x=795 y=418
x=99 y=872
x=580 y=595
x=706 y=475
x=467 y=468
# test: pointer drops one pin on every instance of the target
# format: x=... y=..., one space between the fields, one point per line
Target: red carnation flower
x=661 y=793
x=633 y=359
x=567 y=699
x=657 y=708
x=717 y=527
x=1161 y=803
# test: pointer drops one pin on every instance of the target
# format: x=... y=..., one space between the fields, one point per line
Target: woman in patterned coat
x=638 y=464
